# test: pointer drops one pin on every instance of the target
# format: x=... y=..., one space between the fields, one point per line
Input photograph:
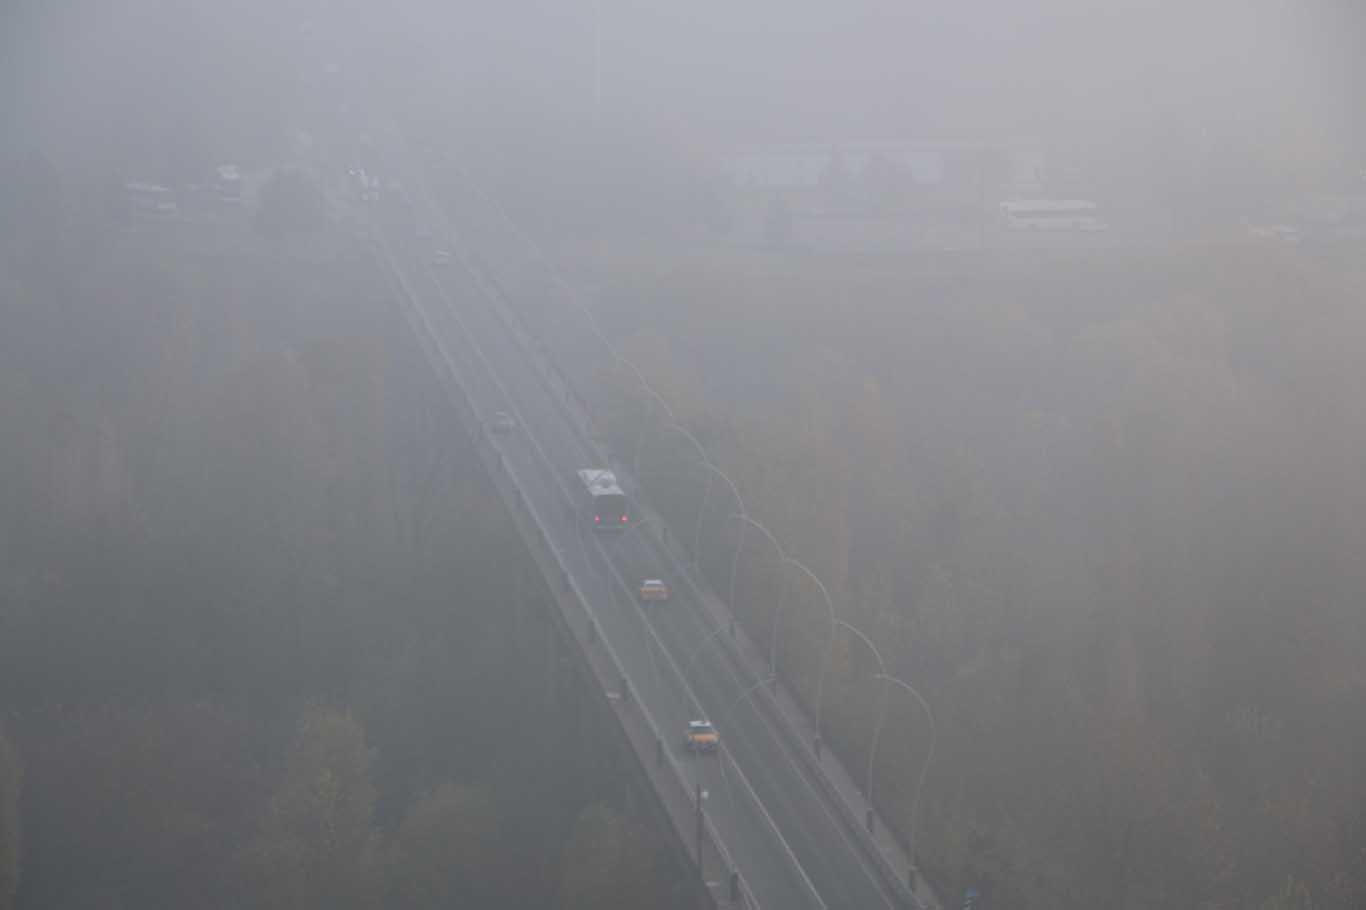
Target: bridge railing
x=551 y=561
x=541 y=357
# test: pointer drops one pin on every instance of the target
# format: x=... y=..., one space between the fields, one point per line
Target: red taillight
x=597 y=519
x=623 y=519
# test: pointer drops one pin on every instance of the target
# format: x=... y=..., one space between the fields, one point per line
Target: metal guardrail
x=551 y=375
x=520 y=506
x=747 y=786
x=853 y=825
x=816 y=771
x=538 y=354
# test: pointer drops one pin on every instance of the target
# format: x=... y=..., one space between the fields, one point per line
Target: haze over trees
x=11 y=783
x=1108 y=521
x=1107 y=511
x=252 y=651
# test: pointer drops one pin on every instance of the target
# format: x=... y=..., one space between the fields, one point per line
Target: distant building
x=366 y=186
x=151 y=198
x=229 y=183
x=968 y=169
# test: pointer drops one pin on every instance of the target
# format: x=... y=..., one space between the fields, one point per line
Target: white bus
x=1051 y=215
x=605 y=499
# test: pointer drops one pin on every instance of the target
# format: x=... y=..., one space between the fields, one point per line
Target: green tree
x=316 y=848
x=607 y=863
x=133 y=805
x=447 y=851
x=11 y=784
x=1294 y=895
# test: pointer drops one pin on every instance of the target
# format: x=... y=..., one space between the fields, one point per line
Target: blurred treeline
x=266 y=638
x=1106 y=512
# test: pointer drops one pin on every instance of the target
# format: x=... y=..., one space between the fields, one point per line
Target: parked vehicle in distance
x=441 y=257
x=654 y=589
x=502 y=423
x=701 y=736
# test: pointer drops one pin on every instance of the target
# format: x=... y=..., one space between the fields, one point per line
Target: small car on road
x=441 y=257
x=652 y=589
x=502 y=423
x=701 y=736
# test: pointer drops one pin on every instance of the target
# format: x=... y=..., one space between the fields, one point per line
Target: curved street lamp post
x=830 y=647
x=934 y=739
x=746 y=521
x=673 y=426
x=882 y=707
x=713 y=471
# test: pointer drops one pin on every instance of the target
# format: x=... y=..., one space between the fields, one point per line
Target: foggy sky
x=1275 y=71
x=899 y=67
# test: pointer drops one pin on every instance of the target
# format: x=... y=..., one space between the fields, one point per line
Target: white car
x=701 y=736
x=654 y=589
x=441 y=257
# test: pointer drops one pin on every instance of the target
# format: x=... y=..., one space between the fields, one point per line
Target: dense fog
x=1030 y=335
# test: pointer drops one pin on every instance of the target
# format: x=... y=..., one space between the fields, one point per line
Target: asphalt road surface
x=786 y=840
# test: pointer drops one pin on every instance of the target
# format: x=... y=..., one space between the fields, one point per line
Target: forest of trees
x=252 y=652
x=1107 y=515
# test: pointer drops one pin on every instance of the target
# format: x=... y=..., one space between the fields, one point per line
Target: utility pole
x=698 y=800
x=982 y=199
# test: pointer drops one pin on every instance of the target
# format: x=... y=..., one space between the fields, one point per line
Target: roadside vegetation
x=1106 y=512
x=1104 y=509
x=266 y=639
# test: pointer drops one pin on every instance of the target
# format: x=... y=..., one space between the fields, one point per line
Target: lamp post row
x=746 y=521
